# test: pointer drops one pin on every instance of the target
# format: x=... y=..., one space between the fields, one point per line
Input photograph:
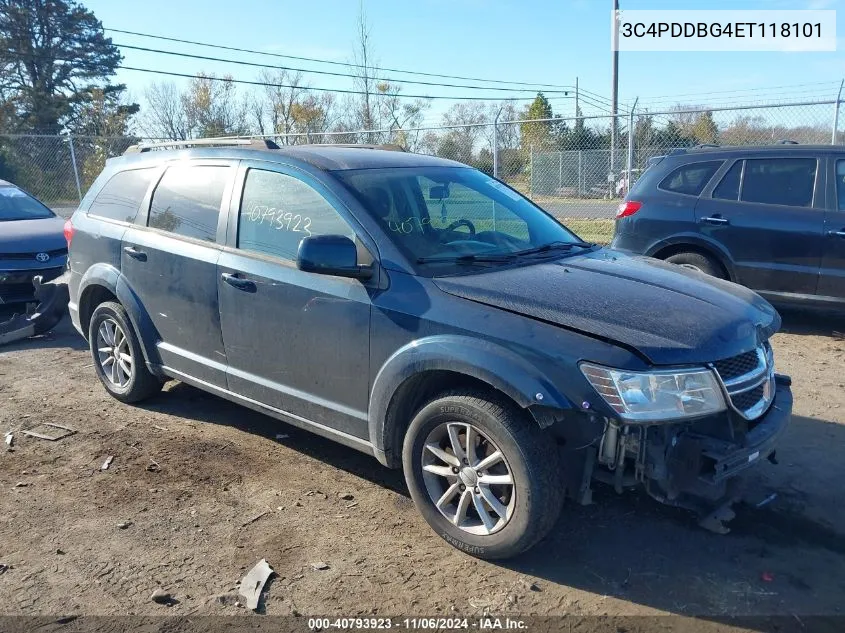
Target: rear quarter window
x=121 y=196
x=690 y=179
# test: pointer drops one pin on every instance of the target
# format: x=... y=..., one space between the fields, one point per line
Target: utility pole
x=577 y=114
x=614 y=90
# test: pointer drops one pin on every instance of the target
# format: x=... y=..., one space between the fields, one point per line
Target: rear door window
x=786 y=181
x=187 y=200
x=728 y=188
x=122 y=195
x=690 y=179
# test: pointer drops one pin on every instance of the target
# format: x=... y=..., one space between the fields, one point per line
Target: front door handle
x=134 y=253
x=239 y=282
x=837 y=233
x=715 y=219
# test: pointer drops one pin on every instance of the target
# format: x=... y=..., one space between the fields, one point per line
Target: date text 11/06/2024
x=487 y=623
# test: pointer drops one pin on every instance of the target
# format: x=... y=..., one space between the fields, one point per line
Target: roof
x=332 y=157
x=776 y=147
x=325 y=157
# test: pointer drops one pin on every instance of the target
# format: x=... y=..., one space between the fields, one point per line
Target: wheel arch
x=694 y=244
x=105 y=283
x=422 y=369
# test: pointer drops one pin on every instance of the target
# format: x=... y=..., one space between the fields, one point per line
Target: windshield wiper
x=545 y=248
x=467 y=259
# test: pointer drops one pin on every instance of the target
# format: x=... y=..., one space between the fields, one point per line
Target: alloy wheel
x=468 y=478
x=114 y=353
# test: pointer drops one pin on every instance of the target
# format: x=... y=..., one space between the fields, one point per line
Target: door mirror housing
x=334 y=255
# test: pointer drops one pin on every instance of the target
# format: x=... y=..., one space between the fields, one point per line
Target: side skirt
x=338 y=436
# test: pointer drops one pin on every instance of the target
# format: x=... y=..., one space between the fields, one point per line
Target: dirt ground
x=199 y=490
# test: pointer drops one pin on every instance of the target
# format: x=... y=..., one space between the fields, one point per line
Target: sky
x=532 y=41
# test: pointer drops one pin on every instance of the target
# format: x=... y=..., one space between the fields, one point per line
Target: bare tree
x=364 y=81
x=400 y=115
x=212 y=107
x=164 y=117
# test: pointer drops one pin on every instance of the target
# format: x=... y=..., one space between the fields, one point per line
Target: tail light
x=628 y=208
x=69 y=232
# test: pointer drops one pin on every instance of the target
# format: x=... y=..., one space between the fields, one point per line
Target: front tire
x=118 y=360
x=482 y=473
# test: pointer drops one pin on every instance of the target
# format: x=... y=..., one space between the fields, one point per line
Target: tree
x=212 y=107
x=209 y=106
x=53 y=57
x=163 y=115
x=537 y=134
x=461 y=141
x=364 y=112
x=704 y=128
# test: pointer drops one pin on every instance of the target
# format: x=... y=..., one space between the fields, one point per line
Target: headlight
x=656 y=396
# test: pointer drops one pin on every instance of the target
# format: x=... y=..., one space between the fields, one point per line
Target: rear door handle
x=134 y=253
x=239 y=282
x=715 y=219
x=837 y=233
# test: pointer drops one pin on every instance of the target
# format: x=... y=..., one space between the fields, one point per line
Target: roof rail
x=203 y=142
x=706 y=145
x=785 y=141
x=392 y=147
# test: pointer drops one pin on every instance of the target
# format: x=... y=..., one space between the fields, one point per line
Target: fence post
x=559 y=171
x=75 y=169
x=631 y=147
x=836 y=113
x=531 y=171
x=580 y=155
x=496 y=143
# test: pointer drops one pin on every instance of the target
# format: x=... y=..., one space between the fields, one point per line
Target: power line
x=335 y=63
x=324 y=72
x=757 y=89
x=337 y=90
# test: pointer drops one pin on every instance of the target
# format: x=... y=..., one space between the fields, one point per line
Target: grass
x=598 y=231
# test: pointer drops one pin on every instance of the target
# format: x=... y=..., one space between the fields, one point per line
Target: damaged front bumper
x=692 y=464
x=51 y=300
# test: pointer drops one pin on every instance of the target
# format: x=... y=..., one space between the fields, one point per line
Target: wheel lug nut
x=462 y=488
x=464 y=460
x=477 y=491
x=455 y=470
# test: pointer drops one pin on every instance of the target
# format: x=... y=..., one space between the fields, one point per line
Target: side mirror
x=330 y=255
x=438 y=192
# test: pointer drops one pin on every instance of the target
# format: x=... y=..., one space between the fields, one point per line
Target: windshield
x=17 y=205
x=452 y=215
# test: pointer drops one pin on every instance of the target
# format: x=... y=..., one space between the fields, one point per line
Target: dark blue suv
x=771 y=218
x=420 y=311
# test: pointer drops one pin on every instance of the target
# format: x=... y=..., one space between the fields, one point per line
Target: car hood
x=32 y=236
x=670 y=315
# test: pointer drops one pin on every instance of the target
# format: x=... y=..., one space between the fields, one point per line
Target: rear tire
x=519 y=513
x=698 y=261
x=118 y=359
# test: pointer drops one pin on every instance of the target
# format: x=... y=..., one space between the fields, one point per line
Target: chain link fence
x=576 y=169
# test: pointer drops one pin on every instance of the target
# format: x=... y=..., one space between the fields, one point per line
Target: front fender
x=108 y=277
x=699 y=242
x=483 y=360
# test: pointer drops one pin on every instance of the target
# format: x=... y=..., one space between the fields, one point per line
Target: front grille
x=14 y=293
x=31 y=256
x=747 y=399
x=737 y=366
x=748 y=380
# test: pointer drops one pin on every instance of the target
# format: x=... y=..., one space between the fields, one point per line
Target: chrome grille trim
x=762 y=375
